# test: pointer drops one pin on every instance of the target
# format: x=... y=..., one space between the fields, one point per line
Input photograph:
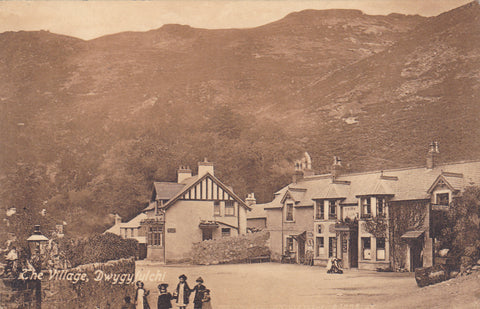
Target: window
x=216 y=208
x=229 y=208
x=155 y=235
x=320 y=246
x=289 y=210
x=332 y=247
x=319 y=229
x=366 y=207
x=443 y=199
x=366 y=245
x=289 y=245
x=319 y=210
x=225 y=232
x=380 y=248
x=332 y=210
x=380 y=206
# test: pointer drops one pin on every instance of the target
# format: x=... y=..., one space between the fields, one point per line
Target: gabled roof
x=332 y=191
x=453 y=181
x=295 y=194
x=191 y=182
x=411 y=183
x=380 y=187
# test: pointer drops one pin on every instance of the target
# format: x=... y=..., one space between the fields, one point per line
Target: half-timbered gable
x=193 y=209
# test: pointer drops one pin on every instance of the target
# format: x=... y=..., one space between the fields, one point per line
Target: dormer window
x=366 y=207
x=442 y=199
x=380 y=206
x=319 y=210
x=332 y=210
x=289 y=212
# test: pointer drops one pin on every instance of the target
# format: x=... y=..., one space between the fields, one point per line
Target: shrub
x=98 y=248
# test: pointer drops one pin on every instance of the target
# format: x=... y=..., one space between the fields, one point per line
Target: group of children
x=181 y=296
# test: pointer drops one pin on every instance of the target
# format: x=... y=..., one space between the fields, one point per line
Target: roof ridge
x=321 y=176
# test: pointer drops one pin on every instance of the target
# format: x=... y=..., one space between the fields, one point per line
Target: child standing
x=199 y=289
x=206 y=300
x=182 y=293
x=165 y=298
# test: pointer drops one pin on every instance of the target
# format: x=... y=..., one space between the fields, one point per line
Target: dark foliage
x=404 y=217
x=461 y=233
x=98 y=248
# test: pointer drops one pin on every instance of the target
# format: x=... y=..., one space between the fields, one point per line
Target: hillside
x=88 y=125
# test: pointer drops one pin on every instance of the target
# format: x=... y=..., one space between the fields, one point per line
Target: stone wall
x=87 y=286
x=106 y=286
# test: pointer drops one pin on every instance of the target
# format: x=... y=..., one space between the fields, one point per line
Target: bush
x=98 y=248
x=461 y=232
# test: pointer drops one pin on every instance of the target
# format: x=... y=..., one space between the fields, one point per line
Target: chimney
x=337 y=167
x=432 y=155
x=250 y=200
x=183 y=173
x=205 y=167
x=118 y=219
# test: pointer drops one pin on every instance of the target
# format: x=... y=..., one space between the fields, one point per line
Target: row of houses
x=370 y=220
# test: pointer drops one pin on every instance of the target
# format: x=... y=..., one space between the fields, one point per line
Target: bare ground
x=286 y=286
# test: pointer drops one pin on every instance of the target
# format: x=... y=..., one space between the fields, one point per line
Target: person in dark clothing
x=199 y=290
x=207 y=304
x=165 y=298
x=182 y=293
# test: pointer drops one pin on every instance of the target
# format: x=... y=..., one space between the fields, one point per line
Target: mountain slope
x=88 y=125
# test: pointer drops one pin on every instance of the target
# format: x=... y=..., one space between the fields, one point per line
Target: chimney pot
x=250 y=200
x=183 y=173
x=336 y=167
x=205 y=167
x=432 y=155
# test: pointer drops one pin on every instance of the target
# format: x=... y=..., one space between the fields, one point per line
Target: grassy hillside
x=87 y=126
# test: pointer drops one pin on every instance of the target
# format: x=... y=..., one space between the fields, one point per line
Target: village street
x=290 y=286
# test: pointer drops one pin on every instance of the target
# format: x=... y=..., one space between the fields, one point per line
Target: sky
x=91 y=19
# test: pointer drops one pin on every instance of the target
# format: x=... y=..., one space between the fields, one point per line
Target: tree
x=462 y=229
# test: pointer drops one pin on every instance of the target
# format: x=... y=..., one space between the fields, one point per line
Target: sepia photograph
x=234 y=154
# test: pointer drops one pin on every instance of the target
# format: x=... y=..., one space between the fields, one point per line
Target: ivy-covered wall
x=102 y=289
x=405 y=216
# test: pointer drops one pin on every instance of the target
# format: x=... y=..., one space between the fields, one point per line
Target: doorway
x=416 y=256
x=207 y=234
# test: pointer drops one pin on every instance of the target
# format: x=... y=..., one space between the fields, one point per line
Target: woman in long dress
x=141 y=297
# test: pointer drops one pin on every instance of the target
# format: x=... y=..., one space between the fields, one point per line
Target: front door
x=207 y=234
x=354 y=248
x=416 y=259
x=301 y=250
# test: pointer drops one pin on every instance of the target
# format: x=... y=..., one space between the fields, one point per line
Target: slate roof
x=167 y=190
x=404 y=184
x=258 y=211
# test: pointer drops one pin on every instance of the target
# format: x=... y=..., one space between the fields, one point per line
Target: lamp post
x=37 y=241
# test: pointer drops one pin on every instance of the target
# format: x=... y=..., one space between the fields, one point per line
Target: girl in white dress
x=141 y=297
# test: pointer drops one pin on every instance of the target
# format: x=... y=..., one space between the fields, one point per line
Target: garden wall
x=106 y=286
x=87 y=286
x=236 y=249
